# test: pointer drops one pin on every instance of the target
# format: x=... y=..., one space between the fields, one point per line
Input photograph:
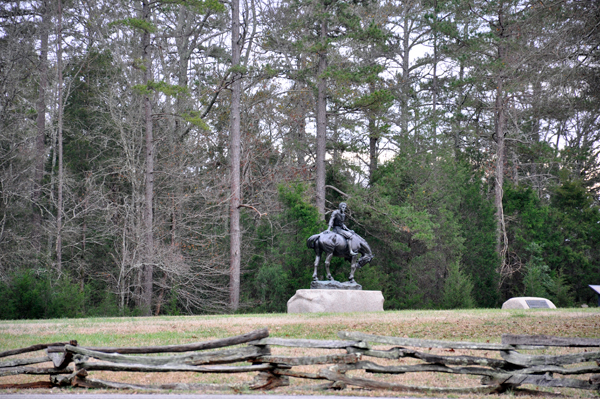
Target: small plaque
x=537 y=304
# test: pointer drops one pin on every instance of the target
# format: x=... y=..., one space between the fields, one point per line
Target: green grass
x=166 y=330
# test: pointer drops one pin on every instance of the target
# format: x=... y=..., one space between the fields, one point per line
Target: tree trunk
x=184 y=51
x=500 y=160
x=321 y=121
x=499 y=131
x=40 y=146
x=234 y=207
x=404 y=117
x=373 y=139
x=434 y=88
x=146 y=300
x=459 y=100
x=59 y=211
x=300 y=117
x=373 y=148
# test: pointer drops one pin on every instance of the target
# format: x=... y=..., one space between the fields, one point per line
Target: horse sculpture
x=333 y=244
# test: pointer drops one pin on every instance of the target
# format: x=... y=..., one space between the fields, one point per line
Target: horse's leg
x=317 y=260
x=352 y=268
x=327 y=262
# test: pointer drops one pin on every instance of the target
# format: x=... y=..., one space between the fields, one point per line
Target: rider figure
x=336 y=224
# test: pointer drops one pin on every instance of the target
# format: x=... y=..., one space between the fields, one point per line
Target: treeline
x=463 y=135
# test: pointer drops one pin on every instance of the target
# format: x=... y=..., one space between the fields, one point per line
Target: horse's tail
x=311 y=242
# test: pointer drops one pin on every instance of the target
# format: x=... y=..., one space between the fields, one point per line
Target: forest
x=165 y=157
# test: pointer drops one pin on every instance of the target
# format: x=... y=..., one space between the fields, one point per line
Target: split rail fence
x=357 y=356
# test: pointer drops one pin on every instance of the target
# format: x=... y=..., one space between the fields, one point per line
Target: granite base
x=332 y=301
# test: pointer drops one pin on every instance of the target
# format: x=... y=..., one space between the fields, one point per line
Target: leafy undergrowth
x=471 y=325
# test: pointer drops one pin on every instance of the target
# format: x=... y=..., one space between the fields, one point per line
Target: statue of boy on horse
x=336 y=224
x=339 y=240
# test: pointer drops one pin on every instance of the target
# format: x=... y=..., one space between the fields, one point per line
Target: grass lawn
x=482 y=325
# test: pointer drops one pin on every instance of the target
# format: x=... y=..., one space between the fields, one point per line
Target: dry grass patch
x=472 y=325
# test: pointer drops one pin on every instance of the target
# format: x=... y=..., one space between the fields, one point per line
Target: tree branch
x=260 y=215
x=339 y=191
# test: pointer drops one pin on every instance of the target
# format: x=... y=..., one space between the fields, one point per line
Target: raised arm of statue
x=334 y=220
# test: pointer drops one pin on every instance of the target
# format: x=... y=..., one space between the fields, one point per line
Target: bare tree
x=234 y=207
x=149 y=174
x=321 y=114
x=60 y=208
x=19 y=71
x=40 y=147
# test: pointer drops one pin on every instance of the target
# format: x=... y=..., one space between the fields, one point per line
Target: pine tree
x=458 y=289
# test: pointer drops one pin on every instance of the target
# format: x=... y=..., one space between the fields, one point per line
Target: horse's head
x=365 y=259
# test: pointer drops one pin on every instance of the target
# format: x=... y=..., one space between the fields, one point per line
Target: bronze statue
x=339 y=240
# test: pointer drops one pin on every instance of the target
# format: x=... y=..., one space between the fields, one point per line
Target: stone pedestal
x=317 y=301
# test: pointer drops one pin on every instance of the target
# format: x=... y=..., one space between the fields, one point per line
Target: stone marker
x=528 y=302
x=316 y=301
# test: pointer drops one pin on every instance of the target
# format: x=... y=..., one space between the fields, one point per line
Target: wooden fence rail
x=510 y=368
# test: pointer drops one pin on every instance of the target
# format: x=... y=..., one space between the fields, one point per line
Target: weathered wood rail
x=251 y=353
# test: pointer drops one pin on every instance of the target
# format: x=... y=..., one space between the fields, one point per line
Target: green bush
x=271 y=288
x=561 y=292
x=540 y=281
x=38 y=294
x=537 y=274
x=458 y=289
